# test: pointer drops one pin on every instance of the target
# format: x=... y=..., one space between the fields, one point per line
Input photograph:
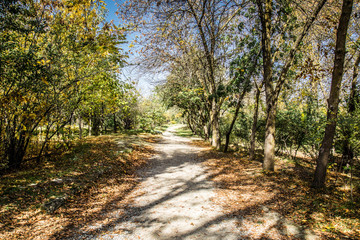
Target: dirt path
x=173 y=200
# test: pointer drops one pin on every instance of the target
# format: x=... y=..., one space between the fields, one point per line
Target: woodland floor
x=184 y=191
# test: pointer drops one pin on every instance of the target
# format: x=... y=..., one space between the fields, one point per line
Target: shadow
x=286 y=192
x=92 y=163
x=166 y=185
x=258 y=205
x=166 y=163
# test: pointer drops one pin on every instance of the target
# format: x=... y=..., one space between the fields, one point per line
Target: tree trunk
x=80 y=128
x=333 y=101
x=16 y=151
x=353 y=98
x=189 y=124
x=215 y=128
x=115 y=124
x=272 y=93
x=254 y=125
x=89 y=126
x=216 y=133
x=228 y=133
x=96 y=125
x=207 y=131
x=269 y=145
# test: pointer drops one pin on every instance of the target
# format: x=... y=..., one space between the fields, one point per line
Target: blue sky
x=144 y=81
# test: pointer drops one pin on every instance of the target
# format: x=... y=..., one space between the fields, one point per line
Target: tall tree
x=333 y=101
x=274 y=84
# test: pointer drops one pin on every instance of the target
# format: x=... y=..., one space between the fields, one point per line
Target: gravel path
x=173 y=200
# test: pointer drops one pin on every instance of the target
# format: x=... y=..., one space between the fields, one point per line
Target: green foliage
x=242 y=129
x=188 y=96
x=57 y=59
x=348 y=132
x=151 y=114
x=297 y=127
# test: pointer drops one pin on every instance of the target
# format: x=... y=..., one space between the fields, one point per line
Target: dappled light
x=194 y=119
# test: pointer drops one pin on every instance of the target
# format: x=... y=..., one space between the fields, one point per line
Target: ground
x=186 y=190
x=173 y=200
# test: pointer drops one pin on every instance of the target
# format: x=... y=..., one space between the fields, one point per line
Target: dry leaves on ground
x=270 y=205
x=101 y=172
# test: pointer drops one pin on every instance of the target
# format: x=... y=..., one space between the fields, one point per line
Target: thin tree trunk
x=189 y=124
x=353 y=91
x=333 y=101
x=89 y=127
x=254 y=125
x=238 y=105
x=80 y=128
x=38 y=159
x=228 y=133
x=269 y=145
x=115 y=124
x=215 y=138
x=207 y=131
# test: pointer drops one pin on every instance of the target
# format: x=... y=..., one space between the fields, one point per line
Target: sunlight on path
x=173 y=201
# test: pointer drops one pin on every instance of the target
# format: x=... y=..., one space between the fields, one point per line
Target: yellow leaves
x=44 y=81
x=43 y=62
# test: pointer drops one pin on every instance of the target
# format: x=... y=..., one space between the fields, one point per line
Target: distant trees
x=257 y=72
x=177 y=31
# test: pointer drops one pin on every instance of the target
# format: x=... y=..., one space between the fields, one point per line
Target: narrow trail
x=173 y=199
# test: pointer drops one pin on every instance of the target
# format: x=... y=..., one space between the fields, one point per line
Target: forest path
x=173 y=199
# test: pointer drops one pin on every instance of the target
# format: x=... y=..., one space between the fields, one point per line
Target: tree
x=273 y=86
x=199 y=28
x=333 y=101
x=242 y=69
x=51 y=53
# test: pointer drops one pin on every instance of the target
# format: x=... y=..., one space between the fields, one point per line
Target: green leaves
x=54 y=56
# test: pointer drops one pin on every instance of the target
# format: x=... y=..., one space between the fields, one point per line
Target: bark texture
x=269 y=145
x=254 y=125
x=333 y=101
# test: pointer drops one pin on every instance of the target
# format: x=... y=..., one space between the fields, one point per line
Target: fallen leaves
x=93 y=174
x=245 y=191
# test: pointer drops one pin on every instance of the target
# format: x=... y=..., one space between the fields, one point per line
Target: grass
x=162 y=128
x=246 y=189
x=91 y=165
x=184 y=132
